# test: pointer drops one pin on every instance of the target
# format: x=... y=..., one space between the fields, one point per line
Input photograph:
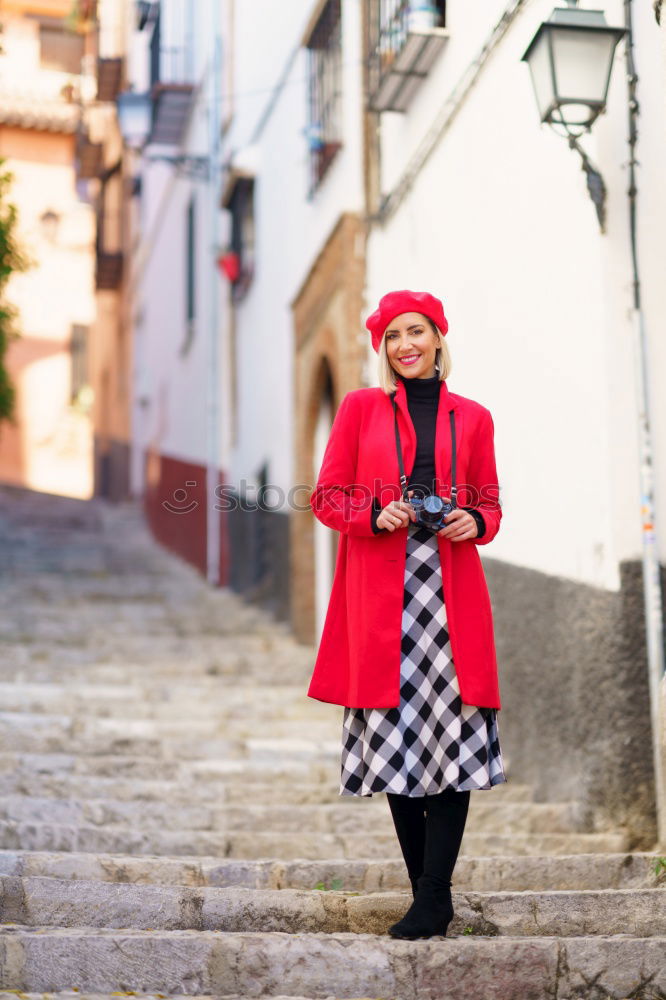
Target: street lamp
x=134 y=117
x=570 y=60
x=135 y=120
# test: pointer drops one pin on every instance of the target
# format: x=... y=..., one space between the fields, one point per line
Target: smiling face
x=411 y=345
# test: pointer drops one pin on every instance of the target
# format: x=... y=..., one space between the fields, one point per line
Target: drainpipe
x=213 y=408
x=652 y=594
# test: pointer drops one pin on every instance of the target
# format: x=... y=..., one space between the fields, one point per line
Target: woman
x=408 y=645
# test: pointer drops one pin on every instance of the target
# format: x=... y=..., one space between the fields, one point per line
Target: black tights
x=430 y=830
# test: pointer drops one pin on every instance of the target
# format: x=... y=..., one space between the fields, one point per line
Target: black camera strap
x=403 y=477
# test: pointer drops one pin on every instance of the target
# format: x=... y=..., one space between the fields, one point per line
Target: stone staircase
x=170 y=823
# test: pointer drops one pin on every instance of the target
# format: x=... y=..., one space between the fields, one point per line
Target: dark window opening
x=155 y=49
x=78 y=347
x=190 y=269
x=241 y=206
x=60 y=49
x=324 y=130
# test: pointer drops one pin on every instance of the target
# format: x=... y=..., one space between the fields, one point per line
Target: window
x=405 y=37
x=241 y=206
x=190 y=272
x=78 y=346
x=324 y=129
x=59 y=48
x=155 y=46
x=148 y=19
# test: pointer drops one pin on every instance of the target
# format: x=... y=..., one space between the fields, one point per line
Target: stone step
x=75 y=995
x=202 y=661
x=320 y=965
x=26 y=726
x=203 y=697
x=150 y=693
x=479 y=874
x=107 y=763
x=77 y=903
x=351 y=815
x=53 y=734
x=36 y=836
x=231 y=790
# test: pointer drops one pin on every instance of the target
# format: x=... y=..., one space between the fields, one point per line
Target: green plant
x=12 y=259
x=660 y=868
x=468 y=930
x=82 y=16
x=336 y=885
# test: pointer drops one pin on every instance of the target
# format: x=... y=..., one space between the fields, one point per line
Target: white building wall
x=290 y=229
x=500 y=225
x=172 y=377
x=613 y=153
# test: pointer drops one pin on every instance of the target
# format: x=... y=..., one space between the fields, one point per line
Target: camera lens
x=432 y=509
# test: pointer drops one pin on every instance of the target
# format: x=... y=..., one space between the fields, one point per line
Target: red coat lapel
x=447 y=402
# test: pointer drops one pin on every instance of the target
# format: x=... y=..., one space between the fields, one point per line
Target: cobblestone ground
x=170 y=822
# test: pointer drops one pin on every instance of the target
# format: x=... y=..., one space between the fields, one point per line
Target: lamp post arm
x=595 y=182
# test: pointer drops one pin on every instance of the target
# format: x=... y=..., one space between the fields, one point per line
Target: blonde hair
x=387 y=375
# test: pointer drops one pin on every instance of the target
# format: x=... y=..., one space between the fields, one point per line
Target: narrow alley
x=170 y=821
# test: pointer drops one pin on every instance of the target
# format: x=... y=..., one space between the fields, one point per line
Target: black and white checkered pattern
x=432 y=740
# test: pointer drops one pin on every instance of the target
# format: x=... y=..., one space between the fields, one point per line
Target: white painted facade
x=290 y=229
x=499 y=224
x=172 y=362
x=173 y=394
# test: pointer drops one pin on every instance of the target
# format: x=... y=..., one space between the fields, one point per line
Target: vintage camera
x=431 y=511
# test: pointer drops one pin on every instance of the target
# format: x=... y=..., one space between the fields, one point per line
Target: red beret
x=395 y=303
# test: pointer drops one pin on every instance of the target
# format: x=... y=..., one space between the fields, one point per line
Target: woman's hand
x=396 y=514
x=460 y=525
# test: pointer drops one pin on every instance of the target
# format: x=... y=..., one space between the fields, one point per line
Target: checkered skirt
x=431 y=740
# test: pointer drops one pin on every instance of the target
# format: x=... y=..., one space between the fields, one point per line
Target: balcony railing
x=108 y=271
x=172 y=95
x=90 y=156
x=109 y=78
x=34 y=111
x=405 y=39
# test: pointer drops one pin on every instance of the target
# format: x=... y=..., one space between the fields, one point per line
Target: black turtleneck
x=422 y=403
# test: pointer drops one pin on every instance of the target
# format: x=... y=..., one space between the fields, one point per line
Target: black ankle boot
x=432 y=909
x=430 y=913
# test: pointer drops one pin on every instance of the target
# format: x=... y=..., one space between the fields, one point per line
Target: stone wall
x=575 y=717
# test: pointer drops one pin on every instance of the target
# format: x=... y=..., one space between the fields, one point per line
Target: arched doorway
x=328 y=363
x=324 y=538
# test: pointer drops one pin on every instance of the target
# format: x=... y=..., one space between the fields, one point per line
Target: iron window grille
x=241 y=206
x=404 y=38
x=324 y=128
x=190 y=273
x=78 y=347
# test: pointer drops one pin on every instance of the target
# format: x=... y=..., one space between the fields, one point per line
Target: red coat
x=358 y=660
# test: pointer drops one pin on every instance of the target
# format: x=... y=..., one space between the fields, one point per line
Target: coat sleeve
x=482 y=477
x=337 y=500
